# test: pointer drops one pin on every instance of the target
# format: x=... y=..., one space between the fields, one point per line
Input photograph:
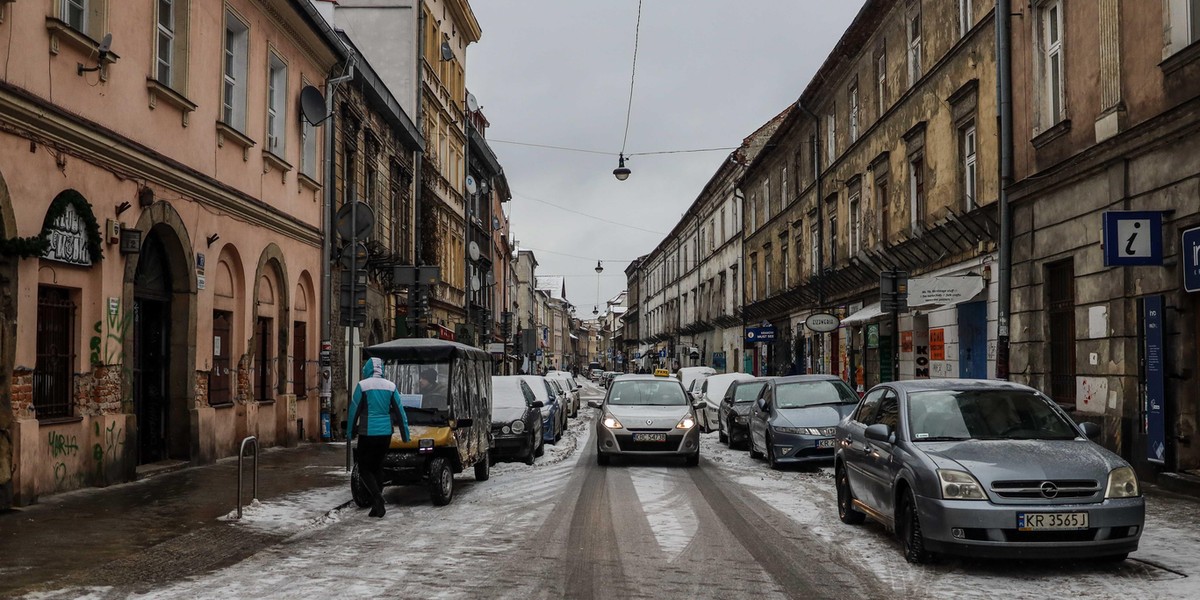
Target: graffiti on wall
x=109 y=339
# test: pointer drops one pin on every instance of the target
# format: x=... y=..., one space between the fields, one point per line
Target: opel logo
x=649 y=421
x=1049 y=490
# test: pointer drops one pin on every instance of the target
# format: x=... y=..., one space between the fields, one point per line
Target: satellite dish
x=447 y=51
x=473 y=250
x=496 y=223
x=474 y=283
x=483 y=186
x=472 y=103
x=105 y=46
x=312 y=105
x=471 y=187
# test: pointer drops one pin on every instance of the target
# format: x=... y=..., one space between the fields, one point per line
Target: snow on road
x=1167 y=565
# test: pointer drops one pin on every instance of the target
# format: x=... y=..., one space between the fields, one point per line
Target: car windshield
x=423 y=390
x=813 y=393
x=985 y=415
x=507 y=392
x=644 y=392
x=748 y=392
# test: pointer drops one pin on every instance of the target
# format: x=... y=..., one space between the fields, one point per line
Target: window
x=276 y=105
x=914 y=49
x=74 y=13
x=753 y=213
x=1051 y=58
x=766 y=197
x=784 y=200
x=783 y=261
x=916 y=177
x=853 y=112
x=816 y=244
x=349 y=164
x=712 y=235
x=165 y=40
x=833 y=238
x=881 y=80
x=53 y=374
x=723 y=238
x=767 y=260
x=881 y=196
x=966 y=17
x=1182 y=25
x=855 y=225
x=308 y=153
x=966 y=144
x=830 y=134
x=753 y=277
x=233 y=96
x=799 y=245
x=1060 y=304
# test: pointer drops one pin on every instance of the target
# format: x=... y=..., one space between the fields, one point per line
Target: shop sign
x=937 y=344
x=940 y=291
x=760 y=334
x=822 y=322
x=920 y=360
x=873 y=335
x=68 y=238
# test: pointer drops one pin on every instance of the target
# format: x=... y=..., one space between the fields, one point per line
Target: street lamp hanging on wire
x=621 y=172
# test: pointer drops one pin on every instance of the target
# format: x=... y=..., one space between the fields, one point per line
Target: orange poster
x=906 y=344
x=937 y=344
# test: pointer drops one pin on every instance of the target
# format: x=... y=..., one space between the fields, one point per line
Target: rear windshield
x=646 y=393
x=747 y=392
x=813 y=393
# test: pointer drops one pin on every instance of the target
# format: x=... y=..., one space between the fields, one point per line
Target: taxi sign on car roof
x=662 y=373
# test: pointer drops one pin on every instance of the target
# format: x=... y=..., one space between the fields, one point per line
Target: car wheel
x=911 y=536
x=845 y=499
x=441 y=481
x=721 y=435
x=755 y=454
x=771 y=454
x=483 y=468
x=541 y=447
x=602 y=459
x=693 y=459
x=358 y=491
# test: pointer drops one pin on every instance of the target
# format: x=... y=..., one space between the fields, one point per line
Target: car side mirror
x=1091 y=430
x=536 y=404
x=760 y=404
x=879 y=432
x=699 y=405
x=594 y=404
x=463 y=423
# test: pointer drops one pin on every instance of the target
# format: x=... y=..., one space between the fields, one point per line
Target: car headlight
x=742 y=419
x=686 y=422
x=801 y=430
x=960 y=485
x=1122 y=483
x=504 y=429
x=517 y=427
x=611 y=422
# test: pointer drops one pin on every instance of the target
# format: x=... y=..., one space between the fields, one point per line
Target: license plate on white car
x=1051 y=521
x=649 y=437
x=825 y=443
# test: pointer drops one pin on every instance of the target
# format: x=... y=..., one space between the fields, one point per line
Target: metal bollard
x=251 y=440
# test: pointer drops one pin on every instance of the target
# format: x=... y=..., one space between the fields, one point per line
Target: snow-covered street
x=567 y=528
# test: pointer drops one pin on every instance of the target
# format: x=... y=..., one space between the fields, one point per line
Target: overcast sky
x=557 y=72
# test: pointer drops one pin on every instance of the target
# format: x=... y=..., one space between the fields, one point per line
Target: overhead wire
x=637 y=32
x=590 y=216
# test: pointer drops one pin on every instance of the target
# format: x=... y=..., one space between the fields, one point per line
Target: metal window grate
x=53 y=379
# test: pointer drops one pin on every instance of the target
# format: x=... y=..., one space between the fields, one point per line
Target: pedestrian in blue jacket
x=380 y=403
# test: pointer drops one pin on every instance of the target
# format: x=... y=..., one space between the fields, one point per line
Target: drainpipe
x=328 y=201
x=1004 y=90
x=818 y=359
x=418 y=159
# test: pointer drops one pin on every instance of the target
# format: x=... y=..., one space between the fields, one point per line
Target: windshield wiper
x=941 y=438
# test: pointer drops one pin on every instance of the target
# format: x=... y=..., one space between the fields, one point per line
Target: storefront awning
x=868 y=313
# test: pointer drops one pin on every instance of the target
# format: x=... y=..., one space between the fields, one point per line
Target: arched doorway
x=152 y=293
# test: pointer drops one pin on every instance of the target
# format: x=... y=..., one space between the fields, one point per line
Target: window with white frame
x=74 y=13
x=967 y=145
x=165 y=42
x=855 y=224
x=966 y=17
x=1050 y=46
x=233 y=94
x=881 y=80
x=308 y=153
x=815 y=243
x=1181 y=26
x=853 y=112
x=830 y=134
x=276 y=105
x=914 y=48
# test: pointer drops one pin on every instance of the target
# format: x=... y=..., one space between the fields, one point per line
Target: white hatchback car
x=711 y=391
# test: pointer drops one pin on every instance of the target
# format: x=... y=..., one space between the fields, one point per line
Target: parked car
x=551 y=418
x=645 y=415
x=734 y=414
x=571 y=388
x=596 y=374
x=449 y=425
x=564 y=402
x=516 y=420
x=793 y=419
x=712 y=390
x=608 y=377
x=692 y=377
x=984 y=468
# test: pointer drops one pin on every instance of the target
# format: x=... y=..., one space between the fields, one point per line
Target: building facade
x=162 y=282
x=1113 y=131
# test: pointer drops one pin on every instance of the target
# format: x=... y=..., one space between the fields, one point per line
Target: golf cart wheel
x=358 y=491
x=483 y=468
x=441 y=481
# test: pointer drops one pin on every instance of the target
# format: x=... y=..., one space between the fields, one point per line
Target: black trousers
x=371 y=451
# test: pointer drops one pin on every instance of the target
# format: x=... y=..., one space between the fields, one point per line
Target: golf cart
x=449 y=416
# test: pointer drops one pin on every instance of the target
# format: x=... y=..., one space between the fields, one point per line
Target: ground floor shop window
x=53 y=377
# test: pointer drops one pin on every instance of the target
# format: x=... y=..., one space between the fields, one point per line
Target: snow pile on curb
x=293 y=512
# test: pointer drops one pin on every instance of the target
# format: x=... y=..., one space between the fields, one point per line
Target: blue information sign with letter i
x=1155 y=409
x=1132 y=238
x=1190 y=252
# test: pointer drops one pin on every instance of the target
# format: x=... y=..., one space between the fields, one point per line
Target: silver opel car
x=647 y=415
x=983 y=468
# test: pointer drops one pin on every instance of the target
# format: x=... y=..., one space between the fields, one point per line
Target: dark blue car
x=794 y=418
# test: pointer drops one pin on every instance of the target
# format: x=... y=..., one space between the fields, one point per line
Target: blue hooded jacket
x=376 y=395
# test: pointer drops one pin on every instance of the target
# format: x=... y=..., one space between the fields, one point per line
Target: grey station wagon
x=984 y=468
